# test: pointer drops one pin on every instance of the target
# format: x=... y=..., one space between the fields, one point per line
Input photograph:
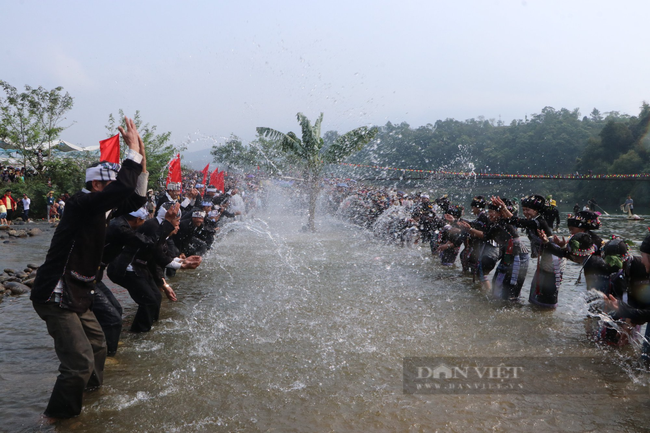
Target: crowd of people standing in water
x=491 y=250
x=118 y=228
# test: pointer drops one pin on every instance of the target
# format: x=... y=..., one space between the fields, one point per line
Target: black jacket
x=159 y=256
x=78 y=243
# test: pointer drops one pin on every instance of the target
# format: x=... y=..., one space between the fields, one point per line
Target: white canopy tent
x=60 y=145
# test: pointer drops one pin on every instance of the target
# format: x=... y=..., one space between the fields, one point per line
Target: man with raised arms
x=65 y=283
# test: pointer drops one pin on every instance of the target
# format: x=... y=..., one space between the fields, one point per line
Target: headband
x=104 y=172
x=140 y=213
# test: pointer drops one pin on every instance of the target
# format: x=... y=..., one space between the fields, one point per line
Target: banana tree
x=313 y=153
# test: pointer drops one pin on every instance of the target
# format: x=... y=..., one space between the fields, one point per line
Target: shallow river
x=281 y=331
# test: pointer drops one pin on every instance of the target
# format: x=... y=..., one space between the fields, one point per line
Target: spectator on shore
x=61 y=207
x=54 y=213
x=49 y=202
x=3 y=213
x=26 y=203
x=10 y=203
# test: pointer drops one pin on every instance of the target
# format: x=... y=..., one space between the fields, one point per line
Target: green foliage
x=36 y=189
x=32 y=119
x=156 y=146
x=621 y=147
x=68 y=174
x=234 y=155
x=20 y=120
x=261 y=152
x=312 y=153
x=311 y=150
x=51 y=108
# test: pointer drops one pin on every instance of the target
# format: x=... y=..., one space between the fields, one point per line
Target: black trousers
x=79 y=344
x=144 y=292
x=108 y=312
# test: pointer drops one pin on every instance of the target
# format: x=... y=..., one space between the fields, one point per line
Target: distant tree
x=20 y=121
x=233 y=154
x=595 y=115
x=313 y=153
x=50 y=107
x=270 y=157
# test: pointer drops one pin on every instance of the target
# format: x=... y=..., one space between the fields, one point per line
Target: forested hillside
x=551 y=142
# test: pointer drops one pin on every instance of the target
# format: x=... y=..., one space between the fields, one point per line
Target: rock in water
x=32 y=266
x=10 y=271
x=34 y=232
x=16 y=288
x=29 y=282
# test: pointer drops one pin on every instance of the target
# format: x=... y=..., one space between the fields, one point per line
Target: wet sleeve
x=555 y=249
x=637 y=315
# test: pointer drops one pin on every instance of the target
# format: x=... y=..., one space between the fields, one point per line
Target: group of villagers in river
x=114 y=224
x=490 y=249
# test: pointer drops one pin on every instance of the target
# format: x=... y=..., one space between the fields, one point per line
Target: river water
x=285 y=331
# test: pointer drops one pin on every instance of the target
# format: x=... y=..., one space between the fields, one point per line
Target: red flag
x=110 y=149
x=221 y=183
x=174 y=173
x=205 y=172
x=213 y=177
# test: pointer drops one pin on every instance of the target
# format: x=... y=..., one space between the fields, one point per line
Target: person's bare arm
x=503 y=209
x=131 y=136
x=464 y=225
x=142 y=152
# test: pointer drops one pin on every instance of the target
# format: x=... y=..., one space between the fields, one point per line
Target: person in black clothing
x=105 y=306
x=637 y=309
x=471 y=254
x=552 y=215
x=510 y=273
x=443 y=203
x=586 y=222
x=130 y=269
x=583 y=222
x=211 y=215
x=451 y=237
x=428 y=223
x=173 y=195
x=214 y=195
x=629 y=283
x=546 y=283
x=580 y=249
x=194 y=237
x=629 y=280
x=166 y=255
x=64 y=284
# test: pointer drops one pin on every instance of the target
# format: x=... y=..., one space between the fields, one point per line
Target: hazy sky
x=204 y=69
